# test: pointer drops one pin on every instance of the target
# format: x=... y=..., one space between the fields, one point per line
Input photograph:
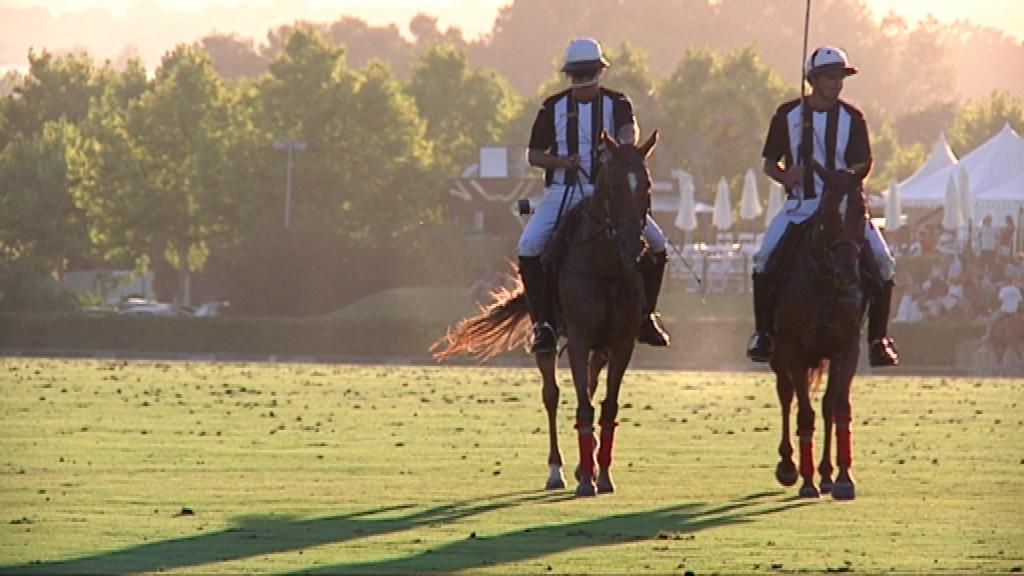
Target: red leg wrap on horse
x=604 y=452
x=807 y=456
x=586 y=442
x=844 y=441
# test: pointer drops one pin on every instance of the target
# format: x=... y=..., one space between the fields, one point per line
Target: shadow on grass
x=261 y=535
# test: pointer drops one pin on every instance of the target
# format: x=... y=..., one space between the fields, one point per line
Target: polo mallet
x=805 y=115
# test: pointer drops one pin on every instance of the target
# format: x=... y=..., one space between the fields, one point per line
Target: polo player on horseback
x=566 y=142
x=834 y=139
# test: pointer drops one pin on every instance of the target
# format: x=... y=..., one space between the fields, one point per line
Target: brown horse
x=1005 y=343
x=600 y=290
x=818 y=317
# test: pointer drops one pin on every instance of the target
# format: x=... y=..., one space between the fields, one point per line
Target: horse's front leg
x=805 y=431
x=827 y=413
x=579 y=354
x=550 y=393
x=785 y=470
x=618 y=361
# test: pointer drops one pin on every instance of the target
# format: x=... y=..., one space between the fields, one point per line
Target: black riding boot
x=881 y=348
x=651 y=329
x=535 y=282
x=761 y=345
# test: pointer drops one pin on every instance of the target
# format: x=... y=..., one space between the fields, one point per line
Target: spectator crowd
x=941 y=277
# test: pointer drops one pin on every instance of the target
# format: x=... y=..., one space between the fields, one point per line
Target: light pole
x=289 y=144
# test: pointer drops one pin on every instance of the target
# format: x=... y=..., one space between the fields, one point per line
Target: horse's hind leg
x=550 y=393
x=825 y=466
x=785 y=470
x=843 y=489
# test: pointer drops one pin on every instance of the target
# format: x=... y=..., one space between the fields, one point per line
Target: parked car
x=208 y=309
x=143 y=307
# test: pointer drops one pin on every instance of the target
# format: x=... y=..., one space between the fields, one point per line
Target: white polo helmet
x=584 y=54
x=829 y=58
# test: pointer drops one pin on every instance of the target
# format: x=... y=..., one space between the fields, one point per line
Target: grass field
x=117 y=467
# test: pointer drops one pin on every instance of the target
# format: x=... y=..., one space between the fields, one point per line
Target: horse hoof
x=808 y=491
x=604 y=483
x=555 y=484
x=826 y=485
x=843 y=491
x=785 y=473
x=586 y=488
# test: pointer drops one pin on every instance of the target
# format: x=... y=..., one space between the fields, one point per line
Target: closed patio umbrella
x=721 y=218
x=963 y=183
x=893 y=207
x=750 y=204
x=952 y=214
x=686 y=218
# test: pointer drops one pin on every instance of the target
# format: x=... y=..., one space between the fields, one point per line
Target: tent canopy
x=994 y=165
x=942 y=157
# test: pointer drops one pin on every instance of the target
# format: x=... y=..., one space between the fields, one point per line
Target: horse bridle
x=826 y=267
x=608 y=228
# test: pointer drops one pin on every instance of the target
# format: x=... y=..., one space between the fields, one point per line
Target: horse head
x=838 y=238
x=622 y=195
x=839 y=233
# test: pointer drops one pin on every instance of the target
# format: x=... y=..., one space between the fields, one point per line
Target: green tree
x=365 y=190
x=41 y=226
x=979 y=120
x=716 y=114
x=463 y=108
x=56 y=87
x=892 y=160
x=153 y=176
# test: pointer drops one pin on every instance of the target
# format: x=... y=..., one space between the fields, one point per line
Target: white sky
x=475 y=17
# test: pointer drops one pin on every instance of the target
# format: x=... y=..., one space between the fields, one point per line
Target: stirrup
x=761 y=347
x=544 y=339
x=882 y=352
x=652 y=331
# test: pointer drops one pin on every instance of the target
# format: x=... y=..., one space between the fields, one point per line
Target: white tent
x=1006 y=199
x=942 y=157
x=993 y=165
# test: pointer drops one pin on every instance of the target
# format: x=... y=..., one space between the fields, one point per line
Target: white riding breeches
x=794 y=211
x=541 y=225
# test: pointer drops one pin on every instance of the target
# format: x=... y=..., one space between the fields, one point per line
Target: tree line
x=176 y=173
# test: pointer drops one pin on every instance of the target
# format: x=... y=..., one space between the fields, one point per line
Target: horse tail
x=500 y=326
x=815 y=374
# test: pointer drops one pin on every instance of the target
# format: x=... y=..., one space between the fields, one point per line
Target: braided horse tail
x=500 y=326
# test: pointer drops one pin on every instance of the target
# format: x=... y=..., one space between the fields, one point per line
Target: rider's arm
x=542 y=159
x=776 y=147
x=542 y=139
x=787 y=177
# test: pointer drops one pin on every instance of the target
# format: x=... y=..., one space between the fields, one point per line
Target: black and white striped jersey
x=840 y=137
x=553 y=127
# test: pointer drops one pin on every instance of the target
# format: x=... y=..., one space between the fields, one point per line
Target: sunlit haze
x=475 y=17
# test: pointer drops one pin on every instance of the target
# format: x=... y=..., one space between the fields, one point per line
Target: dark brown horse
x=601 y=296
x=818 y=317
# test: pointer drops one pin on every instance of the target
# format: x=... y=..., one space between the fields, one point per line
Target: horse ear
x=609 y=142
x=648 y=147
